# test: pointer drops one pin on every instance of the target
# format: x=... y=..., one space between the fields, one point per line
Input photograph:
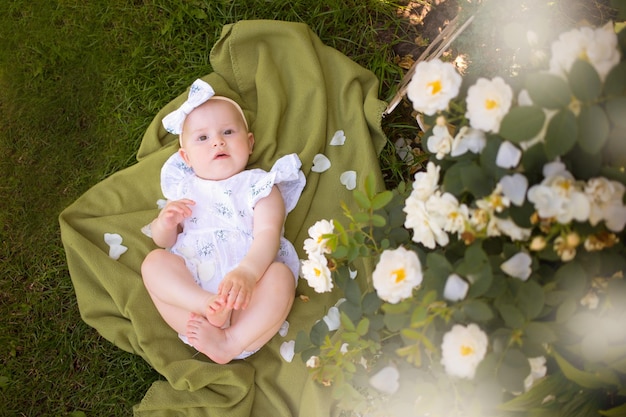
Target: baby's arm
x=166 y=226
x=269 y=216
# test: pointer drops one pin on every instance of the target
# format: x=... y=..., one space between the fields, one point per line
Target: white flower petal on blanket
x=116 y=249
x=320 y=163
x=348 y=179
x=332 y=319
x=287 y=350
x=338 y=139
x=386 y=380
x=284 y=328
x=147 y=230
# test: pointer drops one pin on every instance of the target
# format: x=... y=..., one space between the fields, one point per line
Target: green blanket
x=296 y=93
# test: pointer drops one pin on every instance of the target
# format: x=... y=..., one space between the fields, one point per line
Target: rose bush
x=498 y=285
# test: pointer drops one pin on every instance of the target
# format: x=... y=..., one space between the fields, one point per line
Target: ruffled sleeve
x=175 y=176
x=287 y=176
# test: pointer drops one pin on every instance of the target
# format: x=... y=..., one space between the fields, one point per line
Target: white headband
x=199 y=93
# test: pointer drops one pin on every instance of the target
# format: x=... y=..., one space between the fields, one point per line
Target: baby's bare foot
x=216 y=312
x=208 y=339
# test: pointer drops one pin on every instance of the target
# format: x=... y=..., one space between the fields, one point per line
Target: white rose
x=468 y=139
x=317 y=274
x=488 y=101
x=316 y=244
x=426 y=182
x=445 y=211
x=605 y=197
x=397 y=273
x=425 y=229
x=463 y=349
x=598 y=46
x=440 y=142
x=433 y=85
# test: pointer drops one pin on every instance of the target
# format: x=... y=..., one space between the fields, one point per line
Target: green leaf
x=548 y=90
x=512 y=316
x=522 y=123
x=395 y=322
x=361 y=199
x=371 y=303
x=453 y=179
x=616 y=110
x=513 y=370
x=399 y=308
x=340 y=252
x=584 y=81
x=476 y=181
x=615 y=150
x=615 y=83
x=477 y=310
x=593 y=129
x=318 y=333
x=352 y=291
x=438 y=266
x=619 y=411
x=361 y=218
x=363 y=327
x=585 y=165
x=592 y=380
x=561 y=134
x=346 y=323
x=419 y=315
x=381 y=200
x=566 y=310
x=522 y=215
x=370 y=186
x=530 y=298
x=572 y=277
x=378 y=220
x=475 y=267
x=302 y=342
x=539 y=333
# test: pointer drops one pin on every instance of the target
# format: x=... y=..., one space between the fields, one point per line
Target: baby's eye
x=229 y=131
x=202 y=138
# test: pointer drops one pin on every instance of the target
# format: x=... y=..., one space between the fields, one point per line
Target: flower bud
x=313 y=362
x=538 y=243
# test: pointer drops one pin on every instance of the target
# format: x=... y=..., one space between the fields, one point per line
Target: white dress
x=218 y=234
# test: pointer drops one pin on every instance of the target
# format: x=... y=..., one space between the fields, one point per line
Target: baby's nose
x=218 y=141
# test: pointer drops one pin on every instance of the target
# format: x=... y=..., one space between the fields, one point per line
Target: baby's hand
x=175 y=212
x=236 y=288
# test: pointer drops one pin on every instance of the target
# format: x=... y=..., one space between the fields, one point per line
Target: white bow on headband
x=199 y=92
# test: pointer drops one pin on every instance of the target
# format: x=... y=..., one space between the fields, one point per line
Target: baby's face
x=215 y=140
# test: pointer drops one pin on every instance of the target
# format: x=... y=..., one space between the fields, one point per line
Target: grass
x=79 y=83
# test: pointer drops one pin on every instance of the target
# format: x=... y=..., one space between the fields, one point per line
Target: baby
x=225 y=280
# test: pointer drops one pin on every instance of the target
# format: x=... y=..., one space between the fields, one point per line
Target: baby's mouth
x=221 y=155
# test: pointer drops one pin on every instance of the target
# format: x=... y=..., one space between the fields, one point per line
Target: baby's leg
x=175 y=293
x=251 y=328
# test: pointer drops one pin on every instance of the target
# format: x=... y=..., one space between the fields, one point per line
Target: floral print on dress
x=220 y=228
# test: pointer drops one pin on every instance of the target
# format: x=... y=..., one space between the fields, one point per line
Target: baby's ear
x=183 y=154
x=251 y=140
